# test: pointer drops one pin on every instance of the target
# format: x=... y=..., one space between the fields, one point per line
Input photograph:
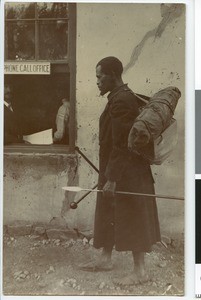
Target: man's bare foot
x=132 y=279
x=96 y=265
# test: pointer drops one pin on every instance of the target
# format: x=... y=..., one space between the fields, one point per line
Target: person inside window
x=61 y=135
x=12 y=133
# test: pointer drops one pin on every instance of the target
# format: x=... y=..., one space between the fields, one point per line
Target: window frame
x=69 y=64
x=36 y=20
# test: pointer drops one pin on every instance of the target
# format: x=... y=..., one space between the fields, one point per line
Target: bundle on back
x=155 y=119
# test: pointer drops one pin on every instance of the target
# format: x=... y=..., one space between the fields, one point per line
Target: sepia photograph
x=94 y=149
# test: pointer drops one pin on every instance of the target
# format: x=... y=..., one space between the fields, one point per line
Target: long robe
x=128 y=222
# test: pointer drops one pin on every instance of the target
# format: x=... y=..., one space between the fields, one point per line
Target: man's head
x=108 y=73
x=7 y=92
x=65 y=102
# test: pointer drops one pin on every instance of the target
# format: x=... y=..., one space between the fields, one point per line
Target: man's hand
x=109 y=189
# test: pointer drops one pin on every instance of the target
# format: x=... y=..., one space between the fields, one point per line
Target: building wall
x=32 y=187
x=150 y=41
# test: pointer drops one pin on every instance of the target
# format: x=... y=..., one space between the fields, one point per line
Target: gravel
x=50 y=267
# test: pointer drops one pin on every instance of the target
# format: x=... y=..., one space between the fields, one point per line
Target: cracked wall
x=150 y=41
x=169 y=13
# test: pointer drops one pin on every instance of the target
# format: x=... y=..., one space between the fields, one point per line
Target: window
x=36 y=33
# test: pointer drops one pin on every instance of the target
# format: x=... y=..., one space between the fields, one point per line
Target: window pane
x=19 y=10
x=38 y=103
x=53 y=40
x=20 y=40
x=52 y=10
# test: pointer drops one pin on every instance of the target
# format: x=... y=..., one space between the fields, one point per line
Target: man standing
x=11 y=128
x=130 y=223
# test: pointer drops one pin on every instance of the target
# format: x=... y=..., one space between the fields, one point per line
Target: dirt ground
x=36 y=266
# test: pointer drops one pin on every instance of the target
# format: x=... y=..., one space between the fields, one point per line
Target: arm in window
x=11 y=129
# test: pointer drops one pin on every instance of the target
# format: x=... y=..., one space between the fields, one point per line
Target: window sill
x=37 y=149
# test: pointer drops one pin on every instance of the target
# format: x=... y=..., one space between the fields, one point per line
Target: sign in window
x=27 y=68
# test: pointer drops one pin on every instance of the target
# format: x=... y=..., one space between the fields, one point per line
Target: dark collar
x=116 y=91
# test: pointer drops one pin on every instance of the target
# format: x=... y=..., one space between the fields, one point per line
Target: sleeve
x=123 y=112
x=58 y=135
x=11 y=139
x=12 y=132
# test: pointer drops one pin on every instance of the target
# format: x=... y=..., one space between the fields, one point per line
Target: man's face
x=105 y=82
x=7 y=93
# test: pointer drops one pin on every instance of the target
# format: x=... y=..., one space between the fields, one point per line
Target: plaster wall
x=32 y=187
x=149 y=39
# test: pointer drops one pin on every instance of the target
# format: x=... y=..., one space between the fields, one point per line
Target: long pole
x=74 y=204
x=80 y=189
x=140 y=194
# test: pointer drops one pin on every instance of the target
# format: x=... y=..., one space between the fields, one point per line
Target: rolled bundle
x=154 y=118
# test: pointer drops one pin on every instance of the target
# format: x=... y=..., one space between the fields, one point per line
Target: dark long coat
x=128 y=222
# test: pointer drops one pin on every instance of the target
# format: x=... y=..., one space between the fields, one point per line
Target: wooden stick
x=79 y=189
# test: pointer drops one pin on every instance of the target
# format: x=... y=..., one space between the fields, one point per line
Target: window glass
x=36 y=31
x=20 y=40
x=52 y=10
x=53 y=40
x=20 y=10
